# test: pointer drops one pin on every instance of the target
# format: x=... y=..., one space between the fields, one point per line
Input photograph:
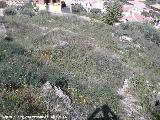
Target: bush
x=10 y=11
x=27 y=11
x=113 y=13
x=151 y=33
x=18 y=67
x=152 y=102
x=105 y=3
x=29 y=5
x=146 y=14
x=3 y=4
x=92 y=15
x=26 y=101
x=78 y=8
x=146 y=30
x=8 y=37
x=44 y=13
x=20 y=8
x=95 y=10
x=157 y=15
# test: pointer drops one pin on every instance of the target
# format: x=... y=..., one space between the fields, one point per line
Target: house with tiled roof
x=132 y=11
x=155 y=7
x=126 y=9
x=133 y=16
x=47 y=1
x=17 y=2
x=54 y=6
x=138 y=6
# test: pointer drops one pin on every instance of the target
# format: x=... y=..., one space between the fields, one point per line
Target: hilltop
x=94 y=64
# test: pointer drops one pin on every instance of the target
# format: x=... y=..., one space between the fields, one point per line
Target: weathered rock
x=130 y=107
x=125 y=39
x=47 y=87
x=2 y=31
x=58 y=102
x=1 y=12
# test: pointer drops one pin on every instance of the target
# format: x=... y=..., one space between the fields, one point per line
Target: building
x=138 y=7
x=140 y=18
x=16 y=2
x=155 y=7
x=132 y=12
x=47 y=1
x=134 y=17
x=90 y=4
x=126 y=9
x=54 y=6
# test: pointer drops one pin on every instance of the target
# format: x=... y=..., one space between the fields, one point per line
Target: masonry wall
x=44 y=1
x=39 y=1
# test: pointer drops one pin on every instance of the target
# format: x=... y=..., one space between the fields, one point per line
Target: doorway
x=47 y=1
x=54 y=1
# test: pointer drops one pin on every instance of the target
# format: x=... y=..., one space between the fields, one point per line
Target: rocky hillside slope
x=91 y=70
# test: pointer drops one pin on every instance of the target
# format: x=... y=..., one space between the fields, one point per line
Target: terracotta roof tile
x=127 y=7
x=135 y=17
x=156 y=6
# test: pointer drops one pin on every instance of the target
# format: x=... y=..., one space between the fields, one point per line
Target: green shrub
x=8 y=37
x=151 y=33
x=95 y=10
x=44 y=13
x=146 y=30
x=10 y=11
x=157 y=15
x=92 y=15
x=150 y=2
x=105 y=3
x=113 y=13
x=29 y=5
x=146 y=14
x=78 y=8
x=152 y=103
x=25 y=101
x=3 y=4
x=28 y=11
x=20 y=8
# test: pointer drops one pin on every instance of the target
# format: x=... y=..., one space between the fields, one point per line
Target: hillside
x=90 y=61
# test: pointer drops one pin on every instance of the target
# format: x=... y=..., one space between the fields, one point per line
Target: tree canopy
x=113 y=13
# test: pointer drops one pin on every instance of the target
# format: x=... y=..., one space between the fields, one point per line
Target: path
x=1 y=12
x=130 y=107
x=130 y=104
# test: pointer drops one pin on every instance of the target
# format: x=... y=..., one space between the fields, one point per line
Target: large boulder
x=58 y=103
x=2 y=31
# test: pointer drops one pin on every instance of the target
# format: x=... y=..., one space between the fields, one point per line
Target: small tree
x=113 y=13
x=78 y=9
x=29 y=5
x=3 y=4
x=10 y=11
x=95 y=10
x=150 y=2
x=146 y=14
x=27 y=11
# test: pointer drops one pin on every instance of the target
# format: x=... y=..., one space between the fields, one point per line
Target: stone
x=125 y=38
x=2 y=31
x=47 y=87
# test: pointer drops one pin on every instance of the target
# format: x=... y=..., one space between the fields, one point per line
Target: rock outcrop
x=58 y=103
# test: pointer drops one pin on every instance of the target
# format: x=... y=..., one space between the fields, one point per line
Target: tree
x=3 y=4
x=77 y=8
x=146 y=14
x=10 y=11
x=151 y=2
x=113 y=13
